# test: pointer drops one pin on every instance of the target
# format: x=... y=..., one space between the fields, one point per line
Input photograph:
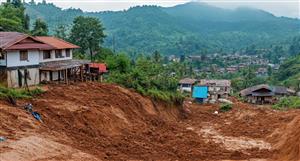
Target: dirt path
x=91 y=121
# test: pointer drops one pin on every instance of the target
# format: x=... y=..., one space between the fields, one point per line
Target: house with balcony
x=27 y=60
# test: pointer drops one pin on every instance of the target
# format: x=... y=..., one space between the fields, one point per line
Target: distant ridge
x=190 y=28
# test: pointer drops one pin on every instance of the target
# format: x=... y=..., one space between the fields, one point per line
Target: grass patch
x=225 y=107
x=166 y=96
x=291 y=102
x=19 y=93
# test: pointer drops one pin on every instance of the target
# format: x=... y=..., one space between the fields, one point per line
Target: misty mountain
x=190 y=28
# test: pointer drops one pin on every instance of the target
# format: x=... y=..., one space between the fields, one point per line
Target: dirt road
x=91 y=121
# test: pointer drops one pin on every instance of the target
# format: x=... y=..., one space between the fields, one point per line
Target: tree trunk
x=91 y=53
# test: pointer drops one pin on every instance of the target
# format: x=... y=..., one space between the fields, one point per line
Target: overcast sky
x=288 y=8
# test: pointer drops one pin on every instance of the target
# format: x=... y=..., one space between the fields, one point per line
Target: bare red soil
x=91 y=121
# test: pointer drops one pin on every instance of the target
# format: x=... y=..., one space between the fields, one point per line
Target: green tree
x=17 y=3
x=32 y=2
x=118 y=63
x=61 y=32
x=40 y=28
x=295 y=46
x=156 y=56
x=26 y=22
x=12 y=18
x=103 y=54
x=87 y=32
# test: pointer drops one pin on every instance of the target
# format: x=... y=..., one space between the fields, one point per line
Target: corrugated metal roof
x=9 y=38
x=56 y=42
x=28 y=46
x=101 y=67
x=216 y=82
x=14 y=41
x=273 y=89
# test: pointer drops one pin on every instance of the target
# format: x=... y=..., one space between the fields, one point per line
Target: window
x=46 y=54
x=68 y=51
x=58 y=54
x=2 y=55
x=186 y=85
x=24 y=55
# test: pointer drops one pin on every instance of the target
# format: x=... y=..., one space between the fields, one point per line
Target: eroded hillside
x=92 y=121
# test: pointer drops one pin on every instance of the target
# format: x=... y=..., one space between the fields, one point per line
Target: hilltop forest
x=191 y=28
x=148 y=34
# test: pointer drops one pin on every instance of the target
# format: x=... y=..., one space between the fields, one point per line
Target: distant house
x=185 y=85
x=262 y=72
x=232 y=69
x=215 y=89
x=263 y=94
x=27 y=60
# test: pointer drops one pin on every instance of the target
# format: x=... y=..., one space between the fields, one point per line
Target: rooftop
x=187 y=81
x=216 y=82
x=9 y=38
x=56 y=42
x=273 y=89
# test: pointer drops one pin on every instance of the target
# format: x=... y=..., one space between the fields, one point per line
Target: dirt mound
x=92 y=121
x=287 y=141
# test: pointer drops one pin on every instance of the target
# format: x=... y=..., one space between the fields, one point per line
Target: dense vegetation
x=289 y=73
x=288 y=103
x=14 y=18
x=147 y=75
x=87 y=32
x=192 y=28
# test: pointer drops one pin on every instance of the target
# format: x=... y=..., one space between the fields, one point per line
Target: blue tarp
x=200 y=92
x=37 y=116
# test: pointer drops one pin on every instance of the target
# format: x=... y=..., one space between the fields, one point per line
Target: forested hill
x=191 y=28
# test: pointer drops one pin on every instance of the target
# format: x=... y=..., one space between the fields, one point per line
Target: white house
x=186 y=84
x=27 y=60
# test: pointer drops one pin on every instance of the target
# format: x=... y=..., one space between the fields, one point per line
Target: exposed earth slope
x=91 y=121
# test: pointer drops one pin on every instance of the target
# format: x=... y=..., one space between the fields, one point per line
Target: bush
x=169 y=97
x=225 y=107
x=18 y=93
x=36 y=92
x=146 y=77
x=291 y=102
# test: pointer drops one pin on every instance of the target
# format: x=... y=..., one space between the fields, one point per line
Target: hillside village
x=65 y=95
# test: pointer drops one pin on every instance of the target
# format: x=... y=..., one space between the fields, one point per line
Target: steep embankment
x=92 y=121
x=100 y=121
